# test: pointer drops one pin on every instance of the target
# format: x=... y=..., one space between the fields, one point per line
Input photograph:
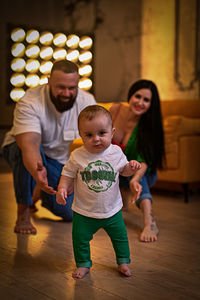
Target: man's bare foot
x=33 y=208
x=23 y=223
x=80 y=272
x=124 y=269
x=149 y=233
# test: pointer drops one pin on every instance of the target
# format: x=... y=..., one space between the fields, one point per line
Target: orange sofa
x=181 y=119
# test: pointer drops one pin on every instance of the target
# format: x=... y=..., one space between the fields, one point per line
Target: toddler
x=93 y=170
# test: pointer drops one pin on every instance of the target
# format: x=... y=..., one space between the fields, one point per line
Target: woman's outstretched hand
x=136 y=189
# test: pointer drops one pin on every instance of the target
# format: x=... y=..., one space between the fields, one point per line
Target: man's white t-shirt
x=35 y=112
x=96 y=181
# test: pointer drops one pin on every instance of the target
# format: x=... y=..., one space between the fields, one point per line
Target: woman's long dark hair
x=150 y=140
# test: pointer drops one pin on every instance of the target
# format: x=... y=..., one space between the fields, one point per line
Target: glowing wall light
x=32 y=36
x=18 y=49
x=33 y=53
x=32 y=65
x=85 y=57
x=45 y=67
x=17 y=79
x=85 y=84
x=43 y=79
x=85 y=70
x=72 y=41
x=46 y=38
x=59 y=39
x=46 y=52
x=73 y=55
x=16 y=94
x=32 y=80
x=59 y=54
x=85 y=43
x=18 y=64
x=18 y=35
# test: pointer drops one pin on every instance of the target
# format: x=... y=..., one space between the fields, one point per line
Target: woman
x=139 y=132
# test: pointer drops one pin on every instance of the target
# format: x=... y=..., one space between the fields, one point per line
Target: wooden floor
x=39 y=267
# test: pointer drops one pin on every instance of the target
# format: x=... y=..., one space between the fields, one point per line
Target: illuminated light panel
x=46 y=38
x=72 y=41
x=32 y=80
x=59 y=39
x=18 y=64
x=32 y=36
x=46 y=52
x=85 y=84
x=18 y=49
x=85 y=43
x=17 y=79
x=17 y=94
x=85 y=70
x=45 y=67
x=85 y=57
x=32 y=51
x=32 y=65
x=18 y=35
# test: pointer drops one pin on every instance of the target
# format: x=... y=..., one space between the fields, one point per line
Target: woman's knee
x=147 y=197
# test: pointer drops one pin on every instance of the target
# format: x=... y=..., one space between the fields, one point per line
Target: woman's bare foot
x=80 y=272
x=124 y=269
x=149 y=233
x=23 y=223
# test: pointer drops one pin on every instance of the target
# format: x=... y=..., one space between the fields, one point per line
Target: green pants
x=82 y=233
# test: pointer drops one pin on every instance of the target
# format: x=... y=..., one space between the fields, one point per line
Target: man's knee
x=63 y=211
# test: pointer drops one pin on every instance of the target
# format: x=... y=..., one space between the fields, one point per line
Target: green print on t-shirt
x=98 y=176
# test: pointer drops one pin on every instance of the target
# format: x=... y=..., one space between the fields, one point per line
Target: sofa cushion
x=175 y=127
x=187 y=108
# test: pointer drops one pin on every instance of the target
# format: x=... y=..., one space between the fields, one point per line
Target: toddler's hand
x=60 y=196
x=135 y=165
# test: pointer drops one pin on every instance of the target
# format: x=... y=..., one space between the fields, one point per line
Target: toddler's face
x=97 y=133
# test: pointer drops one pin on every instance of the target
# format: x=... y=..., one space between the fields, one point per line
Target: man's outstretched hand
x=42 y=180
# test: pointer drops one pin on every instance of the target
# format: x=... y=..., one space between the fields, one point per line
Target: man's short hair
x=65 y=65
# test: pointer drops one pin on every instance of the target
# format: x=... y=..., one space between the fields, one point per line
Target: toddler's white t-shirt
x=96 y=181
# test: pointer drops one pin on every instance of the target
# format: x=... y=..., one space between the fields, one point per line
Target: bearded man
x=37 y=146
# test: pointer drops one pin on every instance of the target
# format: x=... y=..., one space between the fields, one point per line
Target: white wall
x=169 y=49
x=133 y=39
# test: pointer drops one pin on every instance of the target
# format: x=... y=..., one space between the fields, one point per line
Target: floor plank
x=40 y=266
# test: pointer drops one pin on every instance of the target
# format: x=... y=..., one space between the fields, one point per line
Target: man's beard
x=60 y=105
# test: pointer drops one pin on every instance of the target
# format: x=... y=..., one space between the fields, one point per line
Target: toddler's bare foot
x=80 y=272
x=149 y=233
x=124 y=269
x=23 y=223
